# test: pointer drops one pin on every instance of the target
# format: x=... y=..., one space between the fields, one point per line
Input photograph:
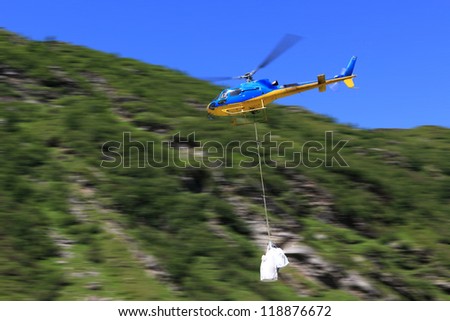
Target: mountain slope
x=89 y=209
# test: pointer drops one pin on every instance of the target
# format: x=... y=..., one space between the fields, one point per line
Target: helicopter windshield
x=229 y=92
x=221 y=95
x=224 y=94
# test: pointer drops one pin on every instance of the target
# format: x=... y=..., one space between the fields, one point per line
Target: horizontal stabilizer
x=349 y=83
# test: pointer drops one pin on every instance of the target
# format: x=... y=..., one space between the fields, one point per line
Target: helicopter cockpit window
x=234 y=92
x=229 y=92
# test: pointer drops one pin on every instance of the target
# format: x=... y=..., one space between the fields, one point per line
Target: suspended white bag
x=273 y=260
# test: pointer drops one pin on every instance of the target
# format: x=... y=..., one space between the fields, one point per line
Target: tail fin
x=349 y=70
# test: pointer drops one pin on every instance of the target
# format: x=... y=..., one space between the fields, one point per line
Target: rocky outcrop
x=312 y=265
x=64 y=244
x=400 y=286
x=52 y=85
x=318 y=199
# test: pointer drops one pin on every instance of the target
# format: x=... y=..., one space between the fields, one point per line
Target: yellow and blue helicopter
x=254 y=95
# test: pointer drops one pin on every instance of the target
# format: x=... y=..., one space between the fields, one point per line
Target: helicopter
x=253 y=96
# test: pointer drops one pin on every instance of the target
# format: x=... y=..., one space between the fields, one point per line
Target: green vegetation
x=73 y=230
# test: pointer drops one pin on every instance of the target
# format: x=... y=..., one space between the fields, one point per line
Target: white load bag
x=273 y=260
x=268 y=268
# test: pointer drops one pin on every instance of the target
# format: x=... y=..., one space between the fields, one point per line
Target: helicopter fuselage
x=256 y=95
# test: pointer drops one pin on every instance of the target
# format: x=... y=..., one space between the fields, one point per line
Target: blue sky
x=403 y=48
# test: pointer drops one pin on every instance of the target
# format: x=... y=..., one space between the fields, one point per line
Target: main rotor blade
x=285 y=43
x=214 y=79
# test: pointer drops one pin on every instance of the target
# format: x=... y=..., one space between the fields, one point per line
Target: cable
x=262 y=181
